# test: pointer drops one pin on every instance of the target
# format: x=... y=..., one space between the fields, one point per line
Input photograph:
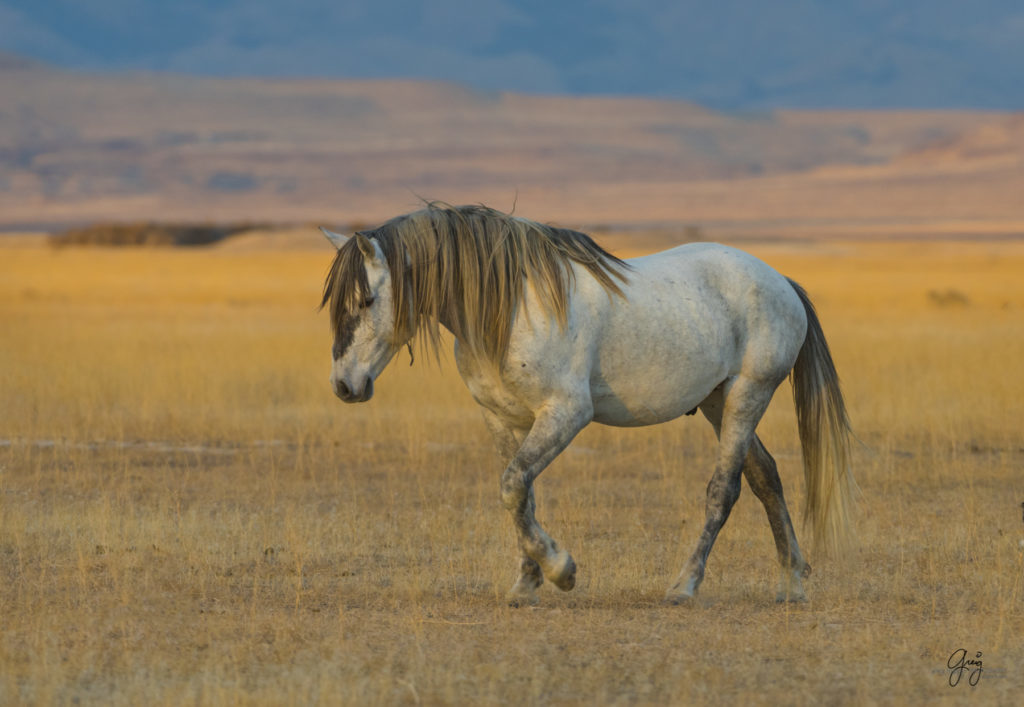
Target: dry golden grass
x=188 y=515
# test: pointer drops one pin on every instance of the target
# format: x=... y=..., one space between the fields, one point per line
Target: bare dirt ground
x=188 y=514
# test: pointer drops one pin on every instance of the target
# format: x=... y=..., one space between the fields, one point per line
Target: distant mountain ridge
x=78 y=147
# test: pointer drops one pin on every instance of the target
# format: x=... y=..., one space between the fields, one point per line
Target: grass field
x=188 y=515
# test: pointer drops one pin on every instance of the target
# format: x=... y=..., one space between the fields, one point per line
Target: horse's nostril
x=342 y=389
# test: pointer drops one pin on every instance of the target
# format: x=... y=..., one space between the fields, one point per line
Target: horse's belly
x=648 y=402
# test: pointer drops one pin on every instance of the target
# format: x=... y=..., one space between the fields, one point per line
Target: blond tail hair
x=825 y=435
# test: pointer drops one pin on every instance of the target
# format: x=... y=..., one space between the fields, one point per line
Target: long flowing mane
x=467 y=266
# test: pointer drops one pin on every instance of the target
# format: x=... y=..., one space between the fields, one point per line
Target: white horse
x=552 y=333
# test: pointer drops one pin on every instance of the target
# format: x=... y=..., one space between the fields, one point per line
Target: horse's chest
x=499 y=400
x=494 y=394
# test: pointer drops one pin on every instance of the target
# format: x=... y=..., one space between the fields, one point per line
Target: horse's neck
x=442 y=320
x=419 y=310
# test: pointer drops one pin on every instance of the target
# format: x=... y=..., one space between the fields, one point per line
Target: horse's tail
x=824 y=436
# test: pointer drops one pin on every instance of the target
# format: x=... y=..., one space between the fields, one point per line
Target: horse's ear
x=365 y=246
x=335 y=238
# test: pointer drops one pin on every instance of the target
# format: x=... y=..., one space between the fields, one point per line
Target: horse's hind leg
x=737 y=408
x=763 y=477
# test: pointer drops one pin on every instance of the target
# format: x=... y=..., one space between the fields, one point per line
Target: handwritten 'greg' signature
x=959 y=664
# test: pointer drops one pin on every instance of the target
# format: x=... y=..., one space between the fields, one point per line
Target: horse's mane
x=467 y=266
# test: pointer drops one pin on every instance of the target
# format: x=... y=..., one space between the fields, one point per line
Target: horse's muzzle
x=348 y=395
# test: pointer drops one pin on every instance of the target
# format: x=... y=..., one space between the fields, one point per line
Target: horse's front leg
x=554 y=427
x=508 y=438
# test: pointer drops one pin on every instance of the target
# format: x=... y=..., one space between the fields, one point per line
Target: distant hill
x=77 y=147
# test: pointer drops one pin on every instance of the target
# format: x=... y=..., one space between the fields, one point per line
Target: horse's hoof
x=684 y=589
x=677 y=599
x=524 y=592
x=790 y=588
x=562 y=572
x=518 y=601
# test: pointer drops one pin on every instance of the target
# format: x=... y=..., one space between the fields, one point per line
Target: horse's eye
x=367 y=302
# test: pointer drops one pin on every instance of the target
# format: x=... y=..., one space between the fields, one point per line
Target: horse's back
x=718 y=282
x=727 y=269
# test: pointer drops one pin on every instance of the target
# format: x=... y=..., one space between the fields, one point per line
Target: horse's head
x=363 y=316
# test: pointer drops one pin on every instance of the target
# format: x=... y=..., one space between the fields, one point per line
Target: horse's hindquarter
x=692 y=317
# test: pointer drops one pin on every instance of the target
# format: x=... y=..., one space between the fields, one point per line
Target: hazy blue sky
x=739 y=54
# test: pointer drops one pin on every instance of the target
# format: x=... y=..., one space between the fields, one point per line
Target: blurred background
x=732 y=120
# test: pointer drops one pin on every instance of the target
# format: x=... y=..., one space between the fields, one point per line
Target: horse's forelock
x=346 y=284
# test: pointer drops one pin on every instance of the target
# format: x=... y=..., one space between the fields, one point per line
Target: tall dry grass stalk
x=187 y=514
